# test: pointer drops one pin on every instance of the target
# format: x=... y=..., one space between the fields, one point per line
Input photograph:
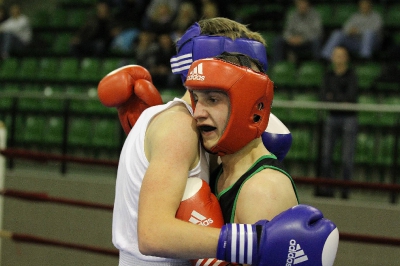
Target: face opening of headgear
x=250 y=93
x=193 y=46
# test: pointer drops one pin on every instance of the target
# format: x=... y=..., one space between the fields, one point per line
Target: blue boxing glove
x=299 y=235
x=277 y=137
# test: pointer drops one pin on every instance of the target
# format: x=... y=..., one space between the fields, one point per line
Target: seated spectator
x=161 y=71
x=15 y=32
x=95 y=36
x=302 y=33
x=209 y=9
x=361 y=33
x=145 y=48
x=160 y=15
x=186 y=16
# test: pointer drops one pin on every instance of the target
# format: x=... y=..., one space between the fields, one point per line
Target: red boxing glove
x=131 y=91
x=200 y=206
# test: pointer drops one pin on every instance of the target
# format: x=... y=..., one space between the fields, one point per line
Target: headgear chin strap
x=193 y=46
x=250 y=94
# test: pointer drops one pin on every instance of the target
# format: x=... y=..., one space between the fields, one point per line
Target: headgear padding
x=193 y=46
x=250 y=94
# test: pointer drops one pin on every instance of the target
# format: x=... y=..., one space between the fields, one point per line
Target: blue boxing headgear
x=193 y=46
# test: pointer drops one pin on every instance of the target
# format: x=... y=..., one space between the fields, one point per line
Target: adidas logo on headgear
x=197 y=218
x=296 y=254
x=196 y=73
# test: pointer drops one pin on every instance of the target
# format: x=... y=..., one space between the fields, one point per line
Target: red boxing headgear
x=250 y=95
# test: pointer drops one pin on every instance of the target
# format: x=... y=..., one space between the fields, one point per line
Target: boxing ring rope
x=26 y=238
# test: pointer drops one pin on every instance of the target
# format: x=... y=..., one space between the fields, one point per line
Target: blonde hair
x=229 y=28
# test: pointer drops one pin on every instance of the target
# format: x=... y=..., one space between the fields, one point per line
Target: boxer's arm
x=270 y=187
x=172 y=149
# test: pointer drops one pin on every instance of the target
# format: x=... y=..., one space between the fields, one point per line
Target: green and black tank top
x=228 y=197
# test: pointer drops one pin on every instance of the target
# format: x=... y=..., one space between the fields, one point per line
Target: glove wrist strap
x=238 y=243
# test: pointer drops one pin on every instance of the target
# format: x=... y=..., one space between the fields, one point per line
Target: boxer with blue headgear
x=211 y=37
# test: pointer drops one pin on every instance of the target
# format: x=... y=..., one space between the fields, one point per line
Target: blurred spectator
x=95 y=36
x=159 y=15
x=15 y=32
x=128 y=12
x=3 y=13
x=186 y=16
x=361 y=33
x=161 y=71
x=209 y=10
x=340 y=85
x=145 y=48
x=212 y=7
x=302 y=33
x=123 y=39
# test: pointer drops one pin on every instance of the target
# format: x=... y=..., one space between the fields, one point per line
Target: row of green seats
x=51 y=68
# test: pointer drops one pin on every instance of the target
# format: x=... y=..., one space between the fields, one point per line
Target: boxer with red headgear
x=232 y=102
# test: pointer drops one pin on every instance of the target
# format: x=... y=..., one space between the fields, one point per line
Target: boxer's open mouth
x=206 y=128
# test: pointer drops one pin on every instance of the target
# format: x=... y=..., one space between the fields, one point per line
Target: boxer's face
x=211 y=114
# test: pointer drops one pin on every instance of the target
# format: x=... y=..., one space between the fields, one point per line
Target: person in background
x=160 y=15
x=302 y=33
x=361 y=33
x=15 y=32
x=186 y=16
x=339 y=86
x=95 y=36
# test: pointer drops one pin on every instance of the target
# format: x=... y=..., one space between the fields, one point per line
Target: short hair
x=221 y=26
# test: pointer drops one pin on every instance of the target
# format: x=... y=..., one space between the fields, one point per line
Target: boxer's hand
x=200 y=206
x=277 y=137
x=299 y=235
x=131 y=91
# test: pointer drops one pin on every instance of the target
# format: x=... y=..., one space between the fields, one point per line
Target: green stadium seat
x=79 y=132
x=269 y=37
x=61 y=43
x=54 y=131
x=58 y=18
x=90 y=69
x=168 y=94
x=326 y=12
x=303 y=145
x=385 y=151
x=304 y=115
x=28 y=68
x=281 y=112
x=68 y=69
x=34 y=129
x=52 y=100
x=8 y=99
x=392 y=16
x=390 y=118
x=31 y=98
x=283 y=74
x=109 y=64
x=310 y=75
x=9 y=68
x=367 y=74
x=77 y=17
x=48 y=68
x=365 y=149
x=106 y=134
x=40 y=18
x=342 y=12
x=366 y=118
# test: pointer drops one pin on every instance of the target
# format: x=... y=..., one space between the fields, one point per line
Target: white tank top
x=131 y=170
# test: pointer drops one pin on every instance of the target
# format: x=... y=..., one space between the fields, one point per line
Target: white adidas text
x=296 y=254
